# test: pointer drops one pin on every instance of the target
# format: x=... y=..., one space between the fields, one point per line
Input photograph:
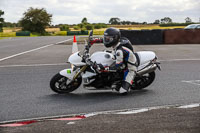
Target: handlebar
x=87 y=48
x=86 y=54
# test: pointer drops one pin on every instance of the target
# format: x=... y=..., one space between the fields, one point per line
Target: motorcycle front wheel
x=63 y=85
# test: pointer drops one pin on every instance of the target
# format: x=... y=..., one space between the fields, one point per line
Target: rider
x=125 y=57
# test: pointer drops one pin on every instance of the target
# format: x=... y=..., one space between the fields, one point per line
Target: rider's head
x=111 y=37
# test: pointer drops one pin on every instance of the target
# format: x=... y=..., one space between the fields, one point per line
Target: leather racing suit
x=126 y=60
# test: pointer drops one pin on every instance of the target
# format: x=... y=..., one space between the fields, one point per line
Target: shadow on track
x=96 y=96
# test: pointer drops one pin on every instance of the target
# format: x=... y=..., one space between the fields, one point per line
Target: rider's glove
x=95 y=40
x=88 y=62
x=100 y=67
x=115 y=68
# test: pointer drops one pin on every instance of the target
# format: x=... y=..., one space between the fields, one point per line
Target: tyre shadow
x=99 y=95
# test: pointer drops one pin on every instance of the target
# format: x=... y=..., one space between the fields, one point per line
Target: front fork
x=79 y=72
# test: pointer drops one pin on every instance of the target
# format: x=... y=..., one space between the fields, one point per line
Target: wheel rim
x=145 y=81
x=64 y=84
x=61 y=84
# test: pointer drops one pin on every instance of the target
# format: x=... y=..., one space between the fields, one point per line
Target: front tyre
x=63 y=85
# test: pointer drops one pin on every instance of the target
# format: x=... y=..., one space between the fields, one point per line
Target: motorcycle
x=86 y=68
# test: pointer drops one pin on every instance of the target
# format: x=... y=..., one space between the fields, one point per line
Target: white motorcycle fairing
x=106 y=59
x=76 y=59
x=69 y=73
x=145 y=58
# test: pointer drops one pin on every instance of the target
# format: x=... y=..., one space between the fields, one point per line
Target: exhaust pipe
x=148 y=69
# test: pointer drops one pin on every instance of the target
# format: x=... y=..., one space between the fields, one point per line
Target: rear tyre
x=144 y=81
x=62 y=85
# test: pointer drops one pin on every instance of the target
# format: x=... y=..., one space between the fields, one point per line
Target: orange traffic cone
x=74 y=46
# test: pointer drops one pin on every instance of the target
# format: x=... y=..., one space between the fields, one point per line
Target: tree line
x=165 y=20
x=37 y=19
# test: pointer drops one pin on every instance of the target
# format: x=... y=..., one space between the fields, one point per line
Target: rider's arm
x=119 y=59
x=119 y=65
x=96 y=40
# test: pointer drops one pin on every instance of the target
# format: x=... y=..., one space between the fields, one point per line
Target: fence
x=23 y=33
x=143 y=36
x=173 y=36
x=182 y=36
x=71 y=33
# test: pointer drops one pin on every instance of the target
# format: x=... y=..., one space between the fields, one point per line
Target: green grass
x=10 y=34
x=2 y=38
x=137 y=27
x=98 y=32
x=95 y=32
x=34 y=35
x=60 y=33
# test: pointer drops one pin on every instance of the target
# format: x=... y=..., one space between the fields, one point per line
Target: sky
x=100 y=11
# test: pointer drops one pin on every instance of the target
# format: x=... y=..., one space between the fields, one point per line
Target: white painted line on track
x=120 y=112
x=171 y=60
x=189 y=106
x=33 y=65
x=133 y=111
x=64 y=41
x=194 y=82
x=56 y=64
x=25 y=52
x=70 y=123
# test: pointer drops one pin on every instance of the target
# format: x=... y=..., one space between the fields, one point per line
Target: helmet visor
x=108 y=39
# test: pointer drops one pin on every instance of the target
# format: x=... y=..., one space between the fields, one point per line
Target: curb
x=75 y=117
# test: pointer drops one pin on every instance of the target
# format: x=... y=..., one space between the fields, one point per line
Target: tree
x=81 y=25
x=64 y=27
x=135 y=23
x=84 y=21
x=166 y=20
x=114 y=21
x=76 y=27
x=97 y=26
x=35 y=20
x=188 y=20
x=126 y=22
x=144 y=23
x=1 y=20
x=123 y=22
x=89 y=27
x=9 y=24
x=157 y=22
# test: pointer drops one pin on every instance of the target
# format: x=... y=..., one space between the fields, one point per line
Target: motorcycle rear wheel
x=61 y=85
x=144 y=81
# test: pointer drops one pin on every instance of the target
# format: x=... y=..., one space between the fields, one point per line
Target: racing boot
x=125 y=88
x=123 y=91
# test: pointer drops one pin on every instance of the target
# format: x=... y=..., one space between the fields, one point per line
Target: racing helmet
x=111 y=37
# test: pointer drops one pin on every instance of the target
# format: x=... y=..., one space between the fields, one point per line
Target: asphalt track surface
x=24 y=80
x=163 y=120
